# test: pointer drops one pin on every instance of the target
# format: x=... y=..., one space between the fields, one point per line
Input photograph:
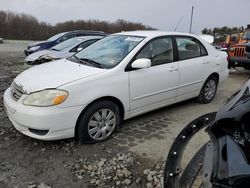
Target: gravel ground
x=134 y=157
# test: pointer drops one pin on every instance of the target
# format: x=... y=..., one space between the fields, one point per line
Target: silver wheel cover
x=102 y=124
x=210 y=89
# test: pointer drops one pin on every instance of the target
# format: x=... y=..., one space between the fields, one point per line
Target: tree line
x=21 y=26
x=220 y=33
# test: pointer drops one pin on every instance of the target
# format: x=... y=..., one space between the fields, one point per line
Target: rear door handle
x=205 y=61
x=173 y=68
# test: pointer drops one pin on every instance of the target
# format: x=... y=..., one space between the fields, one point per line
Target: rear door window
x=189 y=47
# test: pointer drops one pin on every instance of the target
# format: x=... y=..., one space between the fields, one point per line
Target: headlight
x=231 y=49
x=46 y=98
x=34 y=48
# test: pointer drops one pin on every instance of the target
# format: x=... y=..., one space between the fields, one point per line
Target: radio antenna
x=177 y=25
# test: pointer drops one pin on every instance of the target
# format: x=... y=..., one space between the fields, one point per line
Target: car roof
x=84 y=31
x=151 y=33
x=90 y=37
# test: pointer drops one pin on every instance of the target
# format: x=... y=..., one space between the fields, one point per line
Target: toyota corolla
x=88 y=95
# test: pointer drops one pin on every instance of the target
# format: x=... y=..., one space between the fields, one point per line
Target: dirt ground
x=133 y=158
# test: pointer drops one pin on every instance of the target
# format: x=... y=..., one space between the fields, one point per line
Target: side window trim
x=177 y=51
x=129 y=68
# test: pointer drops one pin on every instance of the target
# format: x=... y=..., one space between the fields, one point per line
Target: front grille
x=17 y=91
x=239 y=52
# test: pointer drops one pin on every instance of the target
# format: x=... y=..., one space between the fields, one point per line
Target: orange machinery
x=238 y=49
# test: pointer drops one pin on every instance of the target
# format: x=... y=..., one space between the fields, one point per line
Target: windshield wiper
x=76 y=59
x=92 y=62
x=54 y=49
x=85 y=61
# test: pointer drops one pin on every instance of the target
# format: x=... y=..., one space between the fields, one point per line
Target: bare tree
x=27 y=27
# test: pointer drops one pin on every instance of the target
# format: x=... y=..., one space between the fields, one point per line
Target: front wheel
x=98 y=122
x=208 y=90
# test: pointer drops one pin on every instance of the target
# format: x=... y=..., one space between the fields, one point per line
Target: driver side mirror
x=141 y=63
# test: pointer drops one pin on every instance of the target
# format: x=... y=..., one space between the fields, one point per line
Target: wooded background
x=27 y=27
x=220 y=33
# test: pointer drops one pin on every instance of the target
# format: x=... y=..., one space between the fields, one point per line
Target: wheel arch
x=215 y=74
x=106 y=98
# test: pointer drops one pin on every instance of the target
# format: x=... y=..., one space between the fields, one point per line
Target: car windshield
x=70 y=43
x=246 y=35
x=110 y=51
x=55 y=37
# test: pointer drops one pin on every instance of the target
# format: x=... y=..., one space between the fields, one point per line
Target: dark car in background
x=63 y=50
x=58 y=38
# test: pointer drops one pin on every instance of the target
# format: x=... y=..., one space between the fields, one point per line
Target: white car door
x=155 y=86
x=194 y=66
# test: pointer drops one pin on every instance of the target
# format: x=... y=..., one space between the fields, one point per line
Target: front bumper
x=239 y=61
x=59 y=122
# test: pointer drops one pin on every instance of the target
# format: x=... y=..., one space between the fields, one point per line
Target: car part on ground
x=173 y=162
x=61 y=50
x=224 y=160
x=135 y=72
x=58 y=38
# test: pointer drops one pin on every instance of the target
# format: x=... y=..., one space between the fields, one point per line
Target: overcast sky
x=160 y=14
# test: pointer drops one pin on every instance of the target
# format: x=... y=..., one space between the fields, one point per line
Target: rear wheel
x=208 y=90
x=98 y=122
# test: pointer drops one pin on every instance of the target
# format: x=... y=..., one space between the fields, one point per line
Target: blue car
x=56 y=39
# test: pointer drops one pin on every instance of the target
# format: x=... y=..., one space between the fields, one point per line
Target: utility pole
x=191 y=21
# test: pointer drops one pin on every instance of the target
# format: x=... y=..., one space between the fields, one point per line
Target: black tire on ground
x=99 y=107
x=205 y=98
x=193 y=169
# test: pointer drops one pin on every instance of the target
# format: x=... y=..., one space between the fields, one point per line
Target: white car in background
x=61 y=50
x=120 y=76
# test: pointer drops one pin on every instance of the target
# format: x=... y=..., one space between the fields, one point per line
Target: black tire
x=83 y=127
x=203 y=98
x=193 y=170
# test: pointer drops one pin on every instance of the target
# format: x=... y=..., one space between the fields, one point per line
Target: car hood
x=60 y=54
x=37 y=55
x=37 y=43
x=53 y=75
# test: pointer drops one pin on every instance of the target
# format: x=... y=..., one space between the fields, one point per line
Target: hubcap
x=101 y=124
x=210 y=89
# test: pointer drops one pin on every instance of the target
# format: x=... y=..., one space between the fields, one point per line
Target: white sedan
x=88 y=95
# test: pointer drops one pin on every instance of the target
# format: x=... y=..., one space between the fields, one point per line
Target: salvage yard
x=134 y=157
